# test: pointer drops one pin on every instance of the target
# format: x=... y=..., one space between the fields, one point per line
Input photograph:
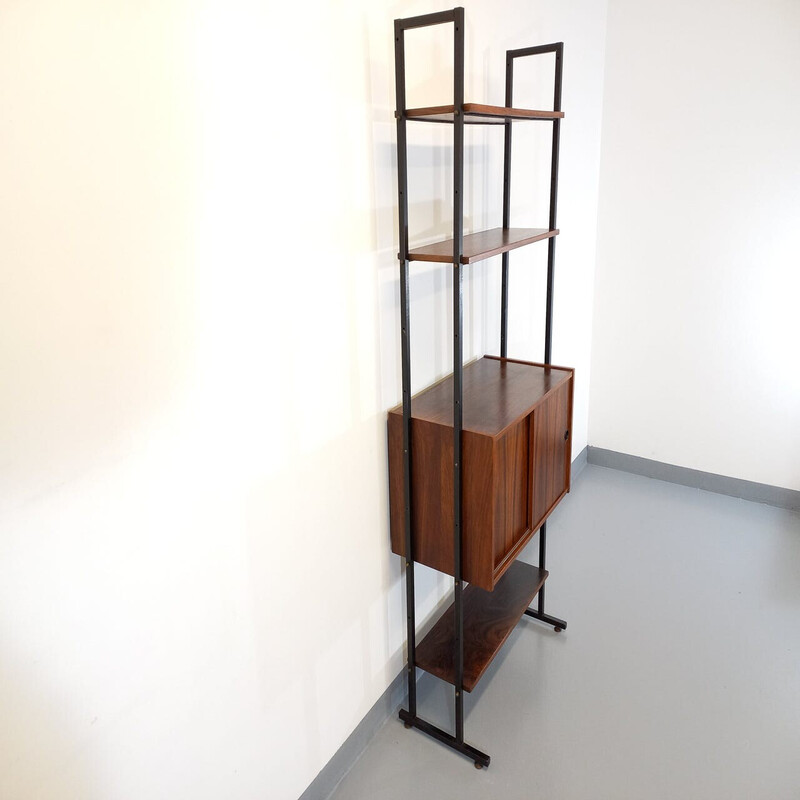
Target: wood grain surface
x=496 y=393
x=549 y=452
x=504 y=497
x=489 y=618
x=481 y=245
x=479 y=114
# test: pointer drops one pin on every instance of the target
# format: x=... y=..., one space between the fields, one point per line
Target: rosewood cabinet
x=516 y=465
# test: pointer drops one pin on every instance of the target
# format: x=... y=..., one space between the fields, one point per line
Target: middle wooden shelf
x=515 y=465
x=481 y=245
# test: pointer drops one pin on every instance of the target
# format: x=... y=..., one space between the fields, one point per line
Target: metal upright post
x=458 y=357
x=551 y=261
x=551 y=242
x=402 y=205
x=506 y=206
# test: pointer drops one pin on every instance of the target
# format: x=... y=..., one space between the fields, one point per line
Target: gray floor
x=679 y=675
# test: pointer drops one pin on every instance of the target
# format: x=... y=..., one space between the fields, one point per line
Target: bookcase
x=479 y=460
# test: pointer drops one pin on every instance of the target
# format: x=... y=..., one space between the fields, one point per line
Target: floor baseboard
x=331 y=774
x=579 y=463
x=708 y=481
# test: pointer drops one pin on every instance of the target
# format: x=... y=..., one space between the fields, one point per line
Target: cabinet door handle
x=566 y=435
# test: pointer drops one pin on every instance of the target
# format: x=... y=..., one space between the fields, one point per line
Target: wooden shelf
x=489 y=618
x=481 y=245
x=479 y=114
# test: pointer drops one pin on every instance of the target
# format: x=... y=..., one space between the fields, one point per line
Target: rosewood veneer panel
x=489 y=618
x=484 y=244
x=499 y=443
x=480 y=114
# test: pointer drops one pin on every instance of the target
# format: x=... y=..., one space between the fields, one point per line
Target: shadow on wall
x=313 y=597
x=43 y=742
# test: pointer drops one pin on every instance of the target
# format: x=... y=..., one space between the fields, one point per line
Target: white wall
x=198 y=317
x=696 y=324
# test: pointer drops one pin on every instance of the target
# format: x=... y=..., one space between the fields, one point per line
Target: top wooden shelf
x=478 y=114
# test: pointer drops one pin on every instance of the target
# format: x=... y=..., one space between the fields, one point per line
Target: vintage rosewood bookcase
x=479 y=460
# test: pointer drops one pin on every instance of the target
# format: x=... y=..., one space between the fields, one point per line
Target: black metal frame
x=558 y=49
x=455 y=16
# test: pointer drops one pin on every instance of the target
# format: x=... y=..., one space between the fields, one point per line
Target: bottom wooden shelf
x=489 y=618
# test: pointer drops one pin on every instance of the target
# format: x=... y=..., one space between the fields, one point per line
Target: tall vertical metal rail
x=551 y=262
x=558 y=49
x=405 y=338
x=456 y=16
x=506 y=204
x=458 y=355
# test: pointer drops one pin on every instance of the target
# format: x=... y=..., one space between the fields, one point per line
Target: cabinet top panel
x=496 y=393
x=479 y=114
